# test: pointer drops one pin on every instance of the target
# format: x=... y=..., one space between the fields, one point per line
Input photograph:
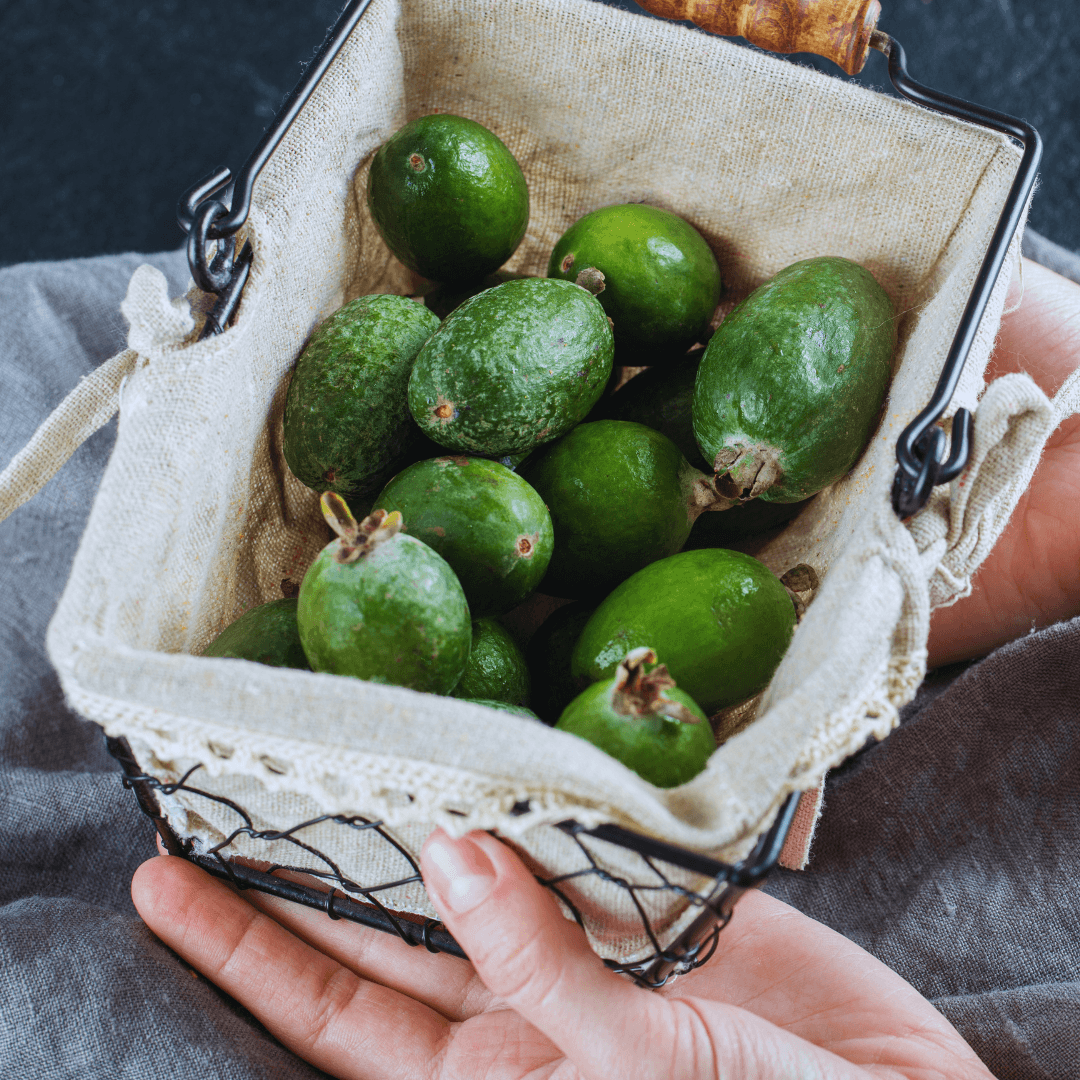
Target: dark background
x=110 y=108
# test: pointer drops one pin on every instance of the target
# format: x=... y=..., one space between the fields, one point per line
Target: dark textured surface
x=109 y=109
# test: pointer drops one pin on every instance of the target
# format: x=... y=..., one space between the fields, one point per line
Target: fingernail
x=461 y=873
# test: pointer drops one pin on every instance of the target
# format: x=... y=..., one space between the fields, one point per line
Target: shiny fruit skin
x=617 y=492
x=800 y=369
x=661 y=279
x=720 y=620
x=661 y=750
x=397 y=616
x=347 y=425
x=267 y=634
x=512 y=368
x=496 y=670
x=486 y=521
x=448 y=198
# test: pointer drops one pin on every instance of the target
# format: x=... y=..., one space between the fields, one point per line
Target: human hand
x=784 y=996
x=1031 y=578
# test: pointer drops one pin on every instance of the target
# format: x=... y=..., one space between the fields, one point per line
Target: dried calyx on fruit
x=357 y=538
x=638 y=692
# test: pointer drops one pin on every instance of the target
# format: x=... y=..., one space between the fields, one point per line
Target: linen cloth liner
x=198 y=519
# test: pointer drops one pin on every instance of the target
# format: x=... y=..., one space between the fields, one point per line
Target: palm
x=1032 y=577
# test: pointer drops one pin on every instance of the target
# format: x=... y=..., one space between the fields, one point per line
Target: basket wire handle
x=210 y=221
x=921 y=444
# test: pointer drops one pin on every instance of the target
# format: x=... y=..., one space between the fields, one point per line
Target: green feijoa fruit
x=644 y=720
x=621 y=496
x=446 y=298
x=660 y=398
x=791 y=385
x=267 y=634
x=513 y=367
x=739 y=523
x=548 y=656
x=503 y=706
x=483 y=519
x=720 y=620
x=650 y=269
x=496 y=670
x=448 y=198
x=347 y=425
x=380 y=605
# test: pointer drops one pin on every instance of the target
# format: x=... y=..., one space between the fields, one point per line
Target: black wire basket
x=211 y=213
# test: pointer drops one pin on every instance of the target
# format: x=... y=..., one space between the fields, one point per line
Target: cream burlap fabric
x=197 y=518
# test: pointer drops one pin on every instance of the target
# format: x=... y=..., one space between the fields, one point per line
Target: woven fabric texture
x=197 y=518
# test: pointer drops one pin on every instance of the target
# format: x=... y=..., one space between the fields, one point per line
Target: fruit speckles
x=532 y=334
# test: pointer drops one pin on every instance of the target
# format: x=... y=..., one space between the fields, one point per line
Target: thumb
x=537 y=961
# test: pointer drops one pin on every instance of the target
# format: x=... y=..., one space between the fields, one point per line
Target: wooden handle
x=839 y=30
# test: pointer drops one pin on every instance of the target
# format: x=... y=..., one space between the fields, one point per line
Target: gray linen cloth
x=951 y=850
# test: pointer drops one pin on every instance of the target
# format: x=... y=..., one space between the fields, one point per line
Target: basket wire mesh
x=342 y=898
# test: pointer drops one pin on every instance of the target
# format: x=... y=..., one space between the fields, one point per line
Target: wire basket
x=212 y=212
x=693 y=947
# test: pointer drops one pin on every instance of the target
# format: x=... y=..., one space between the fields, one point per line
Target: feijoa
x=380 y=605
x=658 y=278
x=791 y=385
x=513 y=367
x=484 y=520
x=719 y=620
x=496 y=670
x=267 y=634
x=644 y=720
x=448 y=198
x=621 y=496
x=548 y=655
x=347 y=426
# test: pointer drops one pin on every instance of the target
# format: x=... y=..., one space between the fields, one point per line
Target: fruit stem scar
x=356 y=539
x=526 y=545
x=444 y=410
x=592 y=280
x=568 y=261
x=417 y=162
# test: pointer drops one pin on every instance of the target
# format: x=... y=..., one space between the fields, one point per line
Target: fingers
x=538 y=962
x=319 y=1009
x=444 y=983
x=1042 y=337
x=1029 y=580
